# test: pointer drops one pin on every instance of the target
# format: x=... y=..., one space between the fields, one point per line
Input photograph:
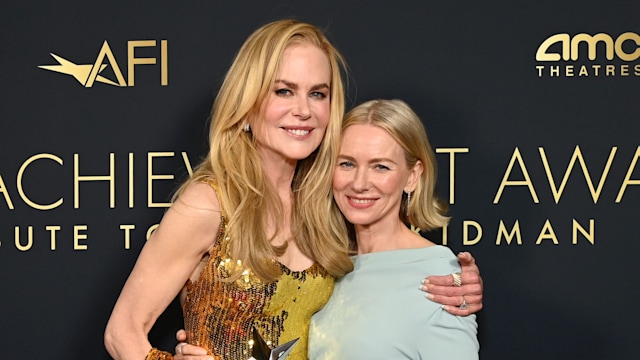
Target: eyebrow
x=376 y=160
x=295 y=86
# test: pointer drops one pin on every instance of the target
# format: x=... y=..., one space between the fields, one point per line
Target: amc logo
x=88 y=74
x=570 y=46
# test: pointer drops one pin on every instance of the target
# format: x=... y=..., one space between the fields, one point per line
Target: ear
x=414 y=176
x=250 y=120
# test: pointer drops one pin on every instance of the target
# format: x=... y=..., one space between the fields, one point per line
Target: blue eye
x=345 y=164
x=283 y=92
x=382 y=167
x=319 y=95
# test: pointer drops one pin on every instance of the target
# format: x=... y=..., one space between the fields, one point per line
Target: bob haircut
x=424 y=210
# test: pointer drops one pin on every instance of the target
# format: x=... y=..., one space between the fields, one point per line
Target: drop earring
x=246 y=127
x=408 y=201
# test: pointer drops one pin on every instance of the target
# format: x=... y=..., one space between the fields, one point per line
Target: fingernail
x=424 y=288
x=424 y=281
x=429 y=296
x=445 y=307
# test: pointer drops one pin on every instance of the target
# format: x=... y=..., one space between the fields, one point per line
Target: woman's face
x=296 y=112
x=370 y=176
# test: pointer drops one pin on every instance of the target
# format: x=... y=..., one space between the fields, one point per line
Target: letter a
x=97 y=66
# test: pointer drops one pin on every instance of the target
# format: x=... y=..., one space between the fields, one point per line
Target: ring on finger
x=457 y=279
x=179 y=348
x=463 y=305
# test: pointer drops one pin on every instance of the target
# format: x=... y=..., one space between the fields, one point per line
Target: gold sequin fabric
x=220 y=316
x=155 y=354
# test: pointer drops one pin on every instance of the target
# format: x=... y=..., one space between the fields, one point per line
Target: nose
x=301 y=109
x=360 y=181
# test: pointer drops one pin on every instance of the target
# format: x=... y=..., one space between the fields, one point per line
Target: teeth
x=298 y=132
x=361 y=201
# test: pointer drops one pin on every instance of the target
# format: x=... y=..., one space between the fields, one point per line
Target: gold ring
x=457 y=279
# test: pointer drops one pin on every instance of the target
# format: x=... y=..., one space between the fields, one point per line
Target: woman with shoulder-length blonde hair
x=422 y=208
x=384 y=180
x=250 y=242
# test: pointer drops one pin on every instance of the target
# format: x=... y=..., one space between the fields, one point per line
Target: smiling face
x=295 y=114
x=370 y=176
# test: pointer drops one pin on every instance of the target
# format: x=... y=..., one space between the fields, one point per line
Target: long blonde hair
x=424 y=210
x=248 y=199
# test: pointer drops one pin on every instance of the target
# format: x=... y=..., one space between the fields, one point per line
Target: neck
x=388 y=235
x=279 y=172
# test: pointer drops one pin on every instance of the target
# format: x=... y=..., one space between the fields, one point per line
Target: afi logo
x=570 y=46
x=88 y=74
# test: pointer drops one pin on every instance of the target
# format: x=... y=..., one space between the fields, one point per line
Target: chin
x=358 y=220
x=300 y=154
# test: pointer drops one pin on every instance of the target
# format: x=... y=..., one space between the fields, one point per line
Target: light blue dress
x=378 y=312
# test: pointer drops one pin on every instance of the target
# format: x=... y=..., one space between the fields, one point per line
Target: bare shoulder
x=191 y=222
x=198 y=199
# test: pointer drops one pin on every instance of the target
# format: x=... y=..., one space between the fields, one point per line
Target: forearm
x=123 y=342
x=127 y=331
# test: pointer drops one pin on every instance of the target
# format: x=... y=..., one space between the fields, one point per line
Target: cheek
x=392 y=185
x=274 y=110
x=338 y=182
x=323 y=112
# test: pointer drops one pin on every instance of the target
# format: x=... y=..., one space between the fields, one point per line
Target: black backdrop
x=506 y=125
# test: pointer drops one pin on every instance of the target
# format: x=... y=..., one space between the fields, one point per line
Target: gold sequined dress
x=220 y=316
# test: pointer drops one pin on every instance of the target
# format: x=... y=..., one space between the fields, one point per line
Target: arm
x=168 y=258
x=442 y=290
x=446 y=336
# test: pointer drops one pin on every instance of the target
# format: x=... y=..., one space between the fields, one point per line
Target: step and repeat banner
x=533 y=108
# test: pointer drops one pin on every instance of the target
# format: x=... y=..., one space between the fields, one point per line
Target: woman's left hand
x=461 y=296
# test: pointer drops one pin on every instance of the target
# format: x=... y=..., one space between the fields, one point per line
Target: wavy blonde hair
x=248 y=199
x=424 y=210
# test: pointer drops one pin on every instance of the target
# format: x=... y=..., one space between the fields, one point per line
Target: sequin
x=220 y=316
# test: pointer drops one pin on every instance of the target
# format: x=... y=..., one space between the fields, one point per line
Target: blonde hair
x=248 y=199
x=424 y=210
